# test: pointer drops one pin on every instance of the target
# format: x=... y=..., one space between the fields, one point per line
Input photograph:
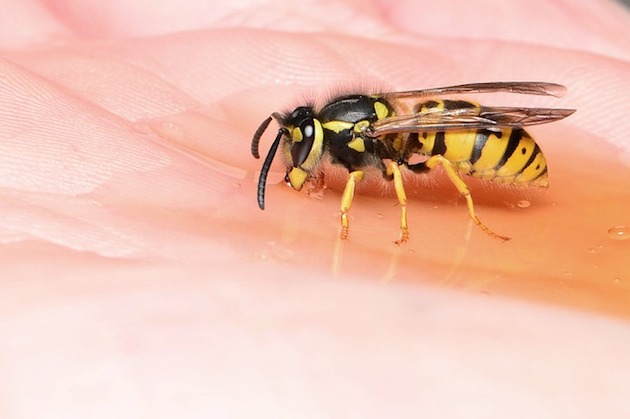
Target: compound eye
x=303 y=140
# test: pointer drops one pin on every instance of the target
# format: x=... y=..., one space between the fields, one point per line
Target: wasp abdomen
x=505 y=155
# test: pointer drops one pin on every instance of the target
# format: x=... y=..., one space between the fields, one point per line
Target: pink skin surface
x=139 y=278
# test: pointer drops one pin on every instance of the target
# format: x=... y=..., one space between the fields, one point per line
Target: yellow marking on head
x=296 y=134
x=357 y=144
x=297 y=177
x=381 y=110
x=337 y=126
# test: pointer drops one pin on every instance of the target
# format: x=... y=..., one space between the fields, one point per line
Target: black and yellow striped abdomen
x=503 y=155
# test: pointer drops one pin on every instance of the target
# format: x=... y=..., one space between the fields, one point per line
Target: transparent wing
x=522 y=87
x=438 y=119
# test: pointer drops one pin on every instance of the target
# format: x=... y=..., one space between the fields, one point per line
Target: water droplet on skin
x=236 y=185
x=508 y=204
x=616 y=280
x=619 y=232
x=379 y=216
x=524 y=203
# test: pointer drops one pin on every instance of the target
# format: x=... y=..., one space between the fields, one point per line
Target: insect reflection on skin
x=385 y=131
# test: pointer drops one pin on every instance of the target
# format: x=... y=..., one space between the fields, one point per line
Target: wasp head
x=302 y=147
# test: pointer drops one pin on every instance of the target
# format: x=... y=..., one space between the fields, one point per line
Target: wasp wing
x=522 y=87
x=492 y=118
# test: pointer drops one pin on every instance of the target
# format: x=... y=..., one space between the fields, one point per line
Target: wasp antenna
x=262 y=180
x=256 y=140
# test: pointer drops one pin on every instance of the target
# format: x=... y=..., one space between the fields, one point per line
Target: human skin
x=140 y=279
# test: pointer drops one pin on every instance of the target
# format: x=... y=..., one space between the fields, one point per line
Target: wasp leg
x=393 y=169
x=461 y=186
x=346 y=200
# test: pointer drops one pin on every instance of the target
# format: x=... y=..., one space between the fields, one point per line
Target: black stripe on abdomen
x=513 y=142
x=480 y=142
x=439 y=146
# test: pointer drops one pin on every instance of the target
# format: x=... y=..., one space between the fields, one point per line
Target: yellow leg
x=463 y=189
x=346 y=201
x=394 y=169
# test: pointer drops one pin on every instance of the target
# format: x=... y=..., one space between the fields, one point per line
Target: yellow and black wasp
x=386 y=131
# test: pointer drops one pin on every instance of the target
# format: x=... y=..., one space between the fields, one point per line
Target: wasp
x=389 y=131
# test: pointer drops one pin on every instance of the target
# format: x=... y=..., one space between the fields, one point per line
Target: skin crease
x=139 y=278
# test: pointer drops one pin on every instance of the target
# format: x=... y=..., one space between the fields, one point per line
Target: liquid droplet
x=379 y=216
x=619 y=232
x=616 y=280
x=524 y=204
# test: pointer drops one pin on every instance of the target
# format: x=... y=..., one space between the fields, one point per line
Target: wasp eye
x=302 y=148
